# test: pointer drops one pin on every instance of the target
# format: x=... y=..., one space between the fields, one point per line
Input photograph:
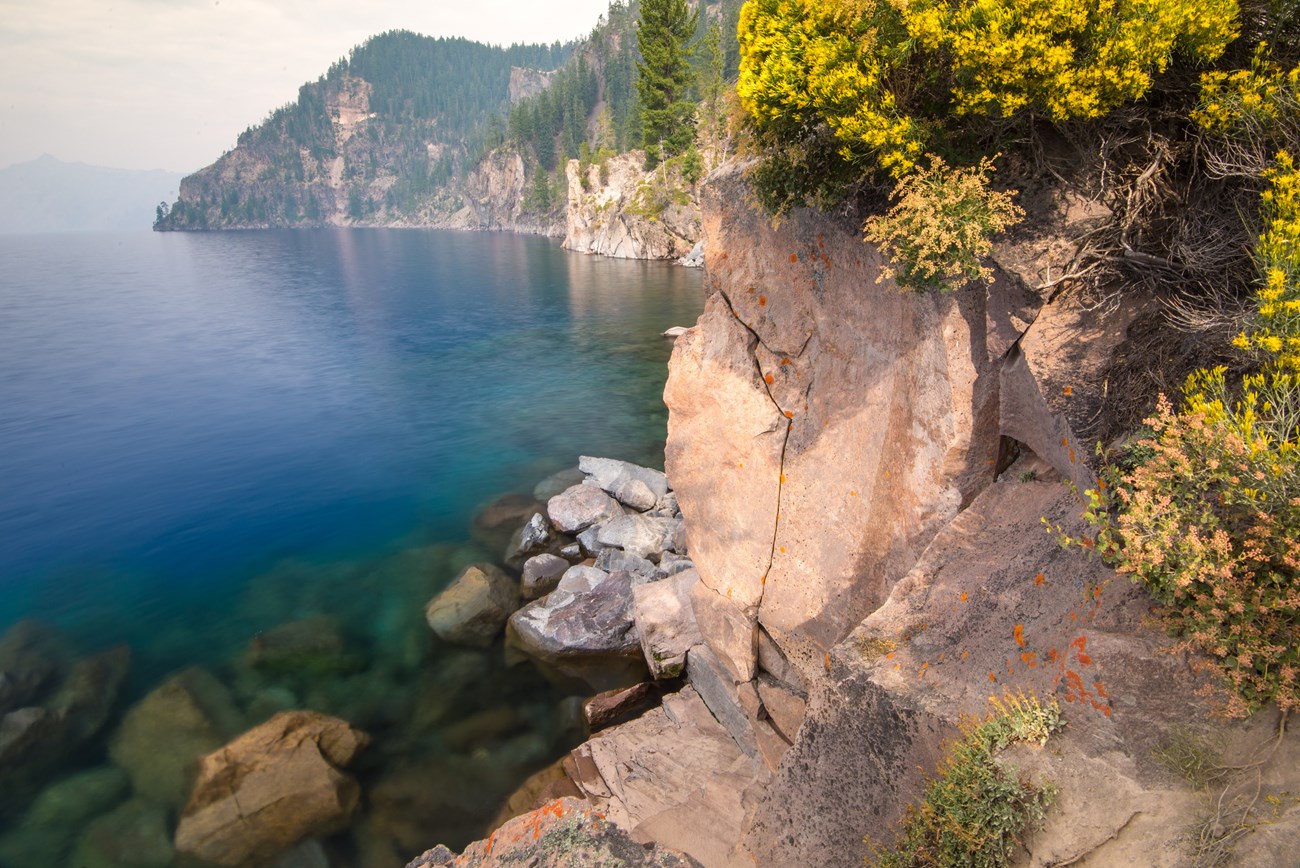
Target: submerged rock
x=557 y=483
x=163 y=735
x=133 y=835
x=312 y=646
x=272 y=787
x=474 y=607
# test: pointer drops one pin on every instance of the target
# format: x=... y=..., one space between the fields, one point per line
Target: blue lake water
x=206 y=435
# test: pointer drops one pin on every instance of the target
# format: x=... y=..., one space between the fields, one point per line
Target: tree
x=663 y=35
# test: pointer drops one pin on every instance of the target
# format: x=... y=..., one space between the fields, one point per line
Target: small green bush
x=975 y=811
x=940 y=225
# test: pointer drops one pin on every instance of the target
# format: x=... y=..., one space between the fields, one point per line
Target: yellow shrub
x=1255 y=100
x=1070 y=58
x=1277 y=323
x=864 y=67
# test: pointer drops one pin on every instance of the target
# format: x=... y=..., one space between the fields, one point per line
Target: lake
x=204 y=437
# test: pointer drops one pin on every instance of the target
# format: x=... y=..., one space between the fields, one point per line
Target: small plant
x=1029 y=476
x=1194 y=757
x=940 y=226
x=976 y=810
x=1277 y=321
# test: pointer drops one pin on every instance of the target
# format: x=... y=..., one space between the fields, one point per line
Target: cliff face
x=618 y=209
x=495 y=197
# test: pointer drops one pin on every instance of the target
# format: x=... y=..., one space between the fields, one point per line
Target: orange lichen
x=1071 y=455
x=1069 y=390
x=762 y=301
x=794 y=257
x=965 y=654
x=1020 y=635
x=789 y=415
x=786 y=362
x=992 y=677
x=1039 y=579
x=964 y=596
x=769 y=379
x=828 y=661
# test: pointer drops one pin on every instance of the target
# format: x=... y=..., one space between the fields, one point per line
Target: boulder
x=133 y=835
x=32 y=657
x=643 y=535
x=615 y=706
x=689 y=789
x=37 y=740
x=614 y=560
x=581 y=579
x=665 y=621
x=672 y=563
x=534 y=538
x=563 y=832
x=312 y=646
x=270 y=788
x=578 y=508
x=474 y=607
x=541 y=574
x=76 y=798
x=611 y=474
x=585 y=638
x=674 y=331
x=162 y=736
x=556 y=483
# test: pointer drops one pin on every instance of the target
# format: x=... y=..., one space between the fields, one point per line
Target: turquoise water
x=204 y=437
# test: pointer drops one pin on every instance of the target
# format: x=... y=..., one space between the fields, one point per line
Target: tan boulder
x=270 y=788
x=474 y=607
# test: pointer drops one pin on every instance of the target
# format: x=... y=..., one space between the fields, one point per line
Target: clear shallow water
x=204 y=436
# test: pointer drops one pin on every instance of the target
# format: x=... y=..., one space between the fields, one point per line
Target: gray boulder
x=672 y=563
x=642 y=535
x=611 y=474
x=581 y=579
x=533 y=538
x=541 y=574
x=584 y=638
x=642 y=570
x=474 y=607
x=579 y=507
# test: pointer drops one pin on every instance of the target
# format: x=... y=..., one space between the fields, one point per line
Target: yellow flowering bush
x=884 y=74
x=1277 y=320
x=1260 y=98
x=939 y=227
x=1069 y=58
x=833 y=62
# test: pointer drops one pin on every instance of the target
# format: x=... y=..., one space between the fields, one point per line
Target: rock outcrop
x=563 y=832
x=619 y=209
x=272 y=787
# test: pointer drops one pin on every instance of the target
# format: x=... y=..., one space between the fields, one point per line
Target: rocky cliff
x=616 y=208
x=863 y=475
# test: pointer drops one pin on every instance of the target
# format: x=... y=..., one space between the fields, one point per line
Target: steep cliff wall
x=618 y=209
x=495 y=197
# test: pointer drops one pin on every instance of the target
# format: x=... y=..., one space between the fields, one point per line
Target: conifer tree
x=663 y=34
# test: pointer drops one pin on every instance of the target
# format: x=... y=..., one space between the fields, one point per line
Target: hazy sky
x=170 y=84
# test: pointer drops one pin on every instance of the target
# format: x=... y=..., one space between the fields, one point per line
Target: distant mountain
x=49 y=195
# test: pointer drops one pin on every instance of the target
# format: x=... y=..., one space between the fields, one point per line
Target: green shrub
x=975 y=811
x=939 y=228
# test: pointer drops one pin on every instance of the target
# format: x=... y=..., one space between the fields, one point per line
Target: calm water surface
x=204 y=436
